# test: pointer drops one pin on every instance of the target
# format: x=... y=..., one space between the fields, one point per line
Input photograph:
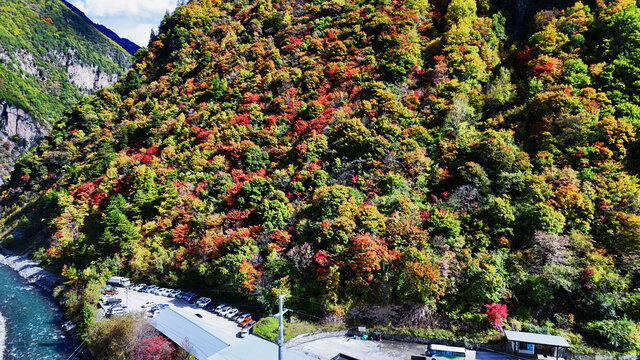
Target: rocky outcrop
x=19 y=131
x=89 y=78
x=19 y=126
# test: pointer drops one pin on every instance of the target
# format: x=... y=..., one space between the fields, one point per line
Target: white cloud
x=139 y=34
x=131 y=19
x=102 y=8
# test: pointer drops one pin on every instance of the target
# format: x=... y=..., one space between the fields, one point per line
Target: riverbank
x=42 y=280
x=30 y=271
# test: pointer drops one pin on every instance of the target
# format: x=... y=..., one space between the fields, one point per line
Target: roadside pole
x=280 y=316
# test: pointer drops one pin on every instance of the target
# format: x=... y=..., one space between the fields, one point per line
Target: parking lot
x=250 y=347
x=134 y=301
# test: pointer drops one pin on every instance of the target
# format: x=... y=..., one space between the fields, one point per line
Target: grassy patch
x=267 y=328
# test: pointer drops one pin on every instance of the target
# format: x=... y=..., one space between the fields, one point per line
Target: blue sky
x=131 y=19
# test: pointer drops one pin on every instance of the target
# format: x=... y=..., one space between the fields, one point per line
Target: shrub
x=267 y=328
x=622 y=335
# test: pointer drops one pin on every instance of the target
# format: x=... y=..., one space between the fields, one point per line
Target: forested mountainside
x=440 y=156
x=49 y=58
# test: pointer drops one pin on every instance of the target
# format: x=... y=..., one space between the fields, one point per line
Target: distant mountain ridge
x=126 y=44
x=49 y=58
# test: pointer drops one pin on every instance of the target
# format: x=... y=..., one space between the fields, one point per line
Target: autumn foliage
x=359 y=153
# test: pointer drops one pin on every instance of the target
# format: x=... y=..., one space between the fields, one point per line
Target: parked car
x=150 y=289
x=246 y=321
x=211 y=306
x=241 y=317
x=157 y=291
x=174 y=293
x=221 y=309
x=247 y=329
x=225 y=311
x=159 y=307
x=231 y=313
x=148 y=304
x=113 y=301
x=250 y=324
x=185 y=295
x=117 y=310
x=110 y=291
x=203 y=301
x=193 y=298
x=139 y=287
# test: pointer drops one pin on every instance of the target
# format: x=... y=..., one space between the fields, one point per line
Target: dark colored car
x=186 y=295
x=113 y=301
x=211 y=306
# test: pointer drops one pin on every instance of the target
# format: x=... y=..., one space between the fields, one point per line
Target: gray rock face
x=16 y=124
x=20 y=130
x=89 y=78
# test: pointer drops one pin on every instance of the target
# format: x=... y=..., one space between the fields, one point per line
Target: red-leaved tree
x=496 y=313
x=154 y=347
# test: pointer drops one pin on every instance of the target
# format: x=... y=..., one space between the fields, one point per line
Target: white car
x=221 y=309
x=230 y=313
x=203 y=301
x=139 y=287
x=242 y=317
x=164 y=292
x=175 y=292
x=158 y=291
x=148 y=304
x=117 y=310
x=150 y=289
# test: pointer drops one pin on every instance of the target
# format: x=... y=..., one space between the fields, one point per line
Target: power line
x=76 y=351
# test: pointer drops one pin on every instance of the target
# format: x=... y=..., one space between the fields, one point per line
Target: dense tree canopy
x=356 y=152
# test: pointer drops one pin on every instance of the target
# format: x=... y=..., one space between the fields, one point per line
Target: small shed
x=526 y=343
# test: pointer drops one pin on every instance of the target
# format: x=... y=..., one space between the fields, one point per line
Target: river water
x=31 y=321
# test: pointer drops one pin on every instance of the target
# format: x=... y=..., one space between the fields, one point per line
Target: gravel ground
x=325 y=349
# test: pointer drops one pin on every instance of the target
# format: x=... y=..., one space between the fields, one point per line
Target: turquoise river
x=31 y=321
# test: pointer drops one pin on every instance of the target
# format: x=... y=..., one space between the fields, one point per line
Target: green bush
x=622 y=335
x=267 y=328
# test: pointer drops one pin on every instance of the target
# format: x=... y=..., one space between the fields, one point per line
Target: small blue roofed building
x=532 y=344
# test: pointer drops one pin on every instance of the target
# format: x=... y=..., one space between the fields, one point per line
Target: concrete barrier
x=308 y=337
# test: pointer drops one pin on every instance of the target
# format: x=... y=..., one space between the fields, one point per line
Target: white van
x=444 y=352
x=119 y=281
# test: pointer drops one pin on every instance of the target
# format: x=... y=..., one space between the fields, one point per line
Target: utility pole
x=280 y=316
